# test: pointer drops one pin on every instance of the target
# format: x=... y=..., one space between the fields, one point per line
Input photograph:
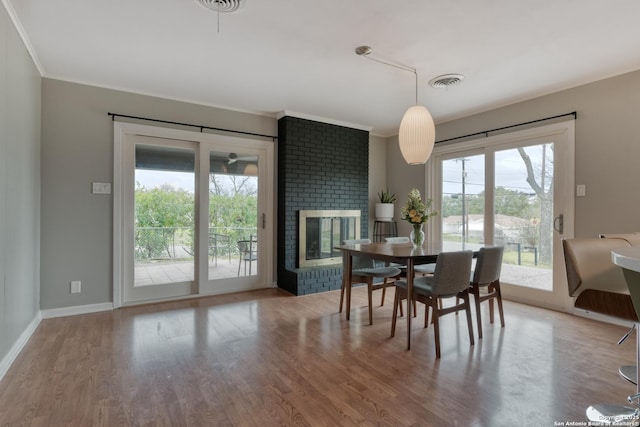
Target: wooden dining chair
x=420 y=269
x=487 y=275
x=450 y=279
x=364 y=270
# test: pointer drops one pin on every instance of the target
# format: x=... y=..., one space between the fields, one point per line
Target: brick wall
x=320 y=166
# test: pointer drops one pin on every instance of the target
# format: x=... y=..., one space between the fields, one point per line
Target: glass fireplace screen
x=321 y=231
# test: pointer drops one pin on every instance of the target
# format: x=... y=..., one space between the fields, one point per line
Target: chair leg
x=370 y=295
x=476 y=297
x=490 y=289
x=396 y=302
x=426 y=315
x=436 y=324
x=499 y=299
x=348 y=298
x=341 y=296
x=384 y=291
x=467 y=309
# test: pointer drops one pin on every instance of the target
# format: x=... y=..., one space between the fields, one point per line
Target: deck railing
x=175 y=243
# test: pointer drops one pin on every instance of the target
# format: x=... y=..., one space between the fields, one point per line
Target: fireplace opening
x=321 y=231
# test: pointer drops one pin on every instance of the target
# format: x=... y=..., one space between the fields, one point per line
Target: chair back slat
x=403 y=239
x=452 y=272
x=488 y=265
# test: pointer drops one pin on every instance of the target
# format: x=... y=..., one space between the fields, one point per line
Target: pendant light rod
x=417 y=131
x=366 y=52
x=416 y=73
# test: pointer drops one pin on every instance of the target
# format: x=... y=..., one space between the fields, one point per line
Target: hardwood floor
x=267 y=358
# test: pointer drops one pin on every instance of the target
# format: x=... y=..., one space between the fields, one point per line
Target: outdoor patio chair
x=248 y=253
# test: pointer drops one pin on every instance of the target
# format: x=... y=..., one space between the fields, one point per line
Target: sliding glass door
x=191 y=212
x=237 y=243
x=511 y=191
x=160 y=210
x=462 y=212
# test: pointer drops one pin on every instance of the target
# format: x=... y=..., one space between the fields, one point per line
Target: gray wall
x=377 y=175
x=607 y=148
x=77 y=149
x=19 y=186
x=402 y=178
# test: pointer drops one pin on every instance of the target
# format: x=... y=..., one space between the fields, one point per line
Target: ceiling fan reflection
x=233 y=157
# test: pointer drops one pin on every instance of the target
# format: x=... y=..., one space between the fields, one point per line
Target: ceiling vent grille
x=446 y=80
x=222 y=5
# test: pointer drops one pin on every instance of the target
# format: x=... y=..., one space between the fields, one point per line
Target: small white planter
x=384 y=211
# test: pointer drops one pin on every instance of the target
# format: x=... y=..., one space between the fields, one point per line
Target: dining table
x=401 y=253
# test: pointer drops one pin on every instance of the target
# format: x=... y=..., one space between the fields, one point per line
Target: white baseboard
x=17 y=347
x=78 y=309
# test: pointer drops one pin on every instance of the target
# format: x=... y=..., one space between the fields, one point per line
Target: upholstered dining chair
x=403 y=268
x=364 y=270
x=422 y=269
x=487 y=275
x=450 y=279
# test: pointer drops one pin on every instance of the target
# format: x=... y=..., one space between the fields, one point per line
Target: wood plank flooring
x=266 y=358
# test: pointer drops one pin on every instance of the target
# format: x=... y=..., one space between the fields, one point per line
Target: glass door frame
x=132 y=292
x=204 y=141
x=563 y=135
x=265 y=233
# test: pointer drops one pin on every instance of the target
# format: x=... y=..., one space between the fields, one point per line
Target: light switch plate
x=101 y=188
x=76 y=286
x=581 y=190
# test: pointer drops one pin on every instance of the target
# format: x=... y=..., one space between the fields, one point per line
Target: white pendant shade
x=417 y=135
x=251 y=169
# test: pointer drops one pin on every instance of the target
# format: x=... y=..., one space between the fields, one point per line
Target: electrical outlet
x=76 y=287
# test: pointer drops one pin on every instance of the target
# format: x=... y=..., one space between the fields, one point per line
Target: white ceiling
x=298 y=55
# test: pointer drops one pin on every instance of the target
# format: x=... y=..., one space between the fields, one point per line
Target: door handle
x=264 y=221
x=558 y=223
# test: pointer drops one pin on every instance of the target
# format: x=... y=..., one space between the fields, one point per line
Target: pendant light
x=417 y=132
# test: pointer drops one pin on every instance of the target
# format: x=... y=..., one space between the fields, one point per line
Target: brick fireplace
x=320 y=167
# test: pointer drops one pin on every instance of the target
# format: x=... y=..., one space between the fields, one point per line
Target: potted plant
x=384 y=209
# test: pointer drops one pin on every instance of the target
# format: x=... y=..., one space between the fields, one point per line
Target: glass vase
x=417 y=235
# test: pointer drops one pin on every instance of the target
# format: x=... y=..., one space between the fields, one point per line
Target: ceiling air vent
x=222 y=5
x=446 y=80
